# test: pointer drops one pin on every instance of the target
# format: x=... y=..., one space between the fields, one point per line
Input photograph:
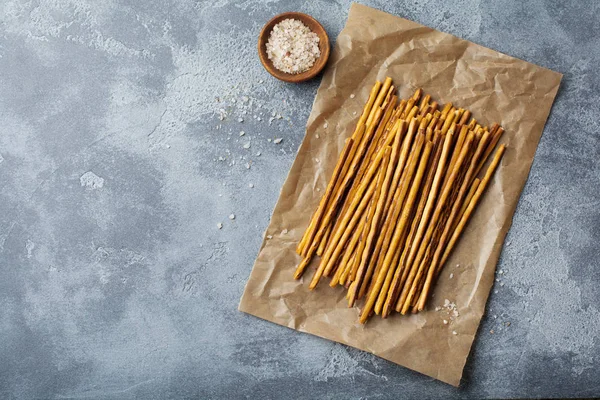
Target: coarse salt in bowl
x=293 y=47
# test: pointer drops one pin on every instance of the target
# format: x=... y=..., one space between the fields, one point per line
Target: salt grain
x=292 y=46
x=246 y=145
x=232 y=217
x=285 y=231
x=251 y=185
x=242 y=133
x=352 y=96
x=277 y=141
x=220 y=225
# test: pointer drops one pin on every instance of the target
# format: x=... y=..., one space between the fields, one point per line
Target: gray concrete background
x=115 y=281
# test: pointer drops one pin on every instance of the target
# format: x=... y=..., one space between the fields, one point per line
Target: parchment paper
x=496 y=88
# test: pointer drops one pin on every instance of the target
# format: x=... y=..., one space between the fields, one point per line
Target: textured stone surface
x=115 y=169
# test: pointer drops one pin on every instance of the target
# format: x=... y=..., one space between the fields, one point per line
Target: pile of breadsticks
x=403 y=189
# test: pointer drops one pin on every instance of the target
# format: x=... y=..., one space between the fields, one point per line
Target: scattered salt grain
x=451 y=276
x=251 y=185
x=242 y=133
x=269 y=140
x=258 y=154
x=317 y=135
x=269 y=236
x=445 y=322
x=501 y=283
x=454 y=333
x=247 y=165
x=240 y=119
x=325 y=125
x=277 y=141
x=246 y=145
x=231 y=216
x=352 y=96
x=354 y=113
x=285 y=231
x=220 y=225
x=278 y=116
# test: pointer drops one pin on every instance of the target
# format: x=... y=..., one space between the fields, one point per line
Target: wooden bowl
x=314 y=26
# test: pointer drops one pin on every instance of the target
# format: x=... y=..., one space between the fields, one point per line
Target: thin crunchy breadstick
x=402 y=223
x=388 y=230
x=439 y=247
x=446 y=111
x=465 y=117
x=375 y=220
x=412 y=240
x=327 y=217
x=390 y=273
x=408 y=108
x=425 y=102
x=480 y=189
x=393 y=194
x=433 y=223
x=356 y=137
x=468 y=198
x=353 y=203
x=382 y=94
x=329 y=192
x=417 y=95
x=348 y=252
x=372 y=208
x=324 y=241
x=497 y=134
x=482 y=185
x=353 y=171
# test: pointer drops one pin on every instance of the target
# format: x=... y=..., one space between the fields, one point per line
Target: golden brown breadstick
x=402 y=223
x=482 y=185
x=390 y=297
x=433 y=223
x=382 y=94
x=387 y=279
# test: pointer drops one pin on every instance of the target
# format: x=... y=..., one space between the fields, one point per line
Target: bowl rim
x=319 y=64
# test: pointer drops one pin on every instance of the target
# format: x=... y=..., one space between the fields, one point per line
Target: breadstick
x=326 y=220
x=353 y=202
x=396 y=194
x=348 y=252
x=324 y=241
x=375 y=220
x=497 y=134
x=382 y=94
x=469 y=210
x=402 y=223
x=421 y=214
x=434 y=220
x=439 y=248
x=390 y=273
x=465 y=117
x=482 y=185
x=328 y=192
x=468 y=198
x=417 y=95
x=374 y=201
x=425 y=102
